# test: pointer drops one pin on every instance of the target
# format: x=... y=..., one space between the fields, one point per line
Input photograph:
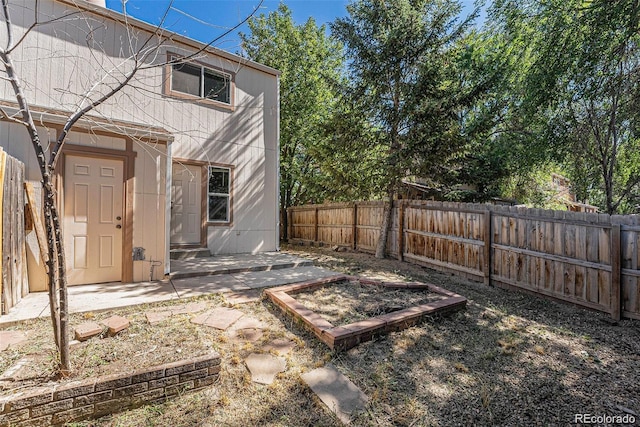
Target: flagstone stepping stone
x=248 y=322
x=264 y=367
x=11 y=374
x=243 y=297
x=87 y=330
x=162 y=313
x=116 y=324
x=244 y=335
x=219 y=318
x=336 y=391
x=280 y=346
x=154 y=317
x=192 y=307
x=11 y=338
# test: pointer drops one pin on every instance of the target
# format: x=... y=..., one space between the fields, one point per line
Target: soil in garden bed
x=347 y=302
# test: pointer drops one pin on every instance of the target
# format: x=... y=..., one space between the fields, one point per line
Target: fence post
x=487 y=247
x=315 y=231
x=355 y=226
x=289 y=224
x=616 y=266
x=401 y=230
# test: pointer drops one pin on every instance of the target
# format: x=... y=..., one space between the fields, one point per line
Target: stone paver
x=336 y=391
x=12 y=372
x=11 y=338
x=154 y=317
x=192 y=307
x=219 y=318
x=247 y=329
x=160 y=314
x=243 y=297
x=280 y=346
x=248 y=322
x=264 y=367
x=87 y=330
x=244 y=335
x=116 y=324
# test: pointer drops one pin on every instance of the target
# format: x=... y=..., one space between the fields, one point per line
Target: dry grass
x=347 y=302
x=508 y=359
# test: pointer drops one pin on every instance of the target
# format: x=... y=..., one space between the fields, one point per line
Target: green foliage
x=403 y=82
x=310 y=62
x=579 y=89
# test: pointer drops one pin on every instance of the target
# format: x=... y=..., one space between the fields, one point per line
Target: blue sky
x=205 y=19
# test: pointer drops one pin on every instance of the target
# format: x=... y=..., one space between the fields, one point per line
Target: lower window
x=219 y=194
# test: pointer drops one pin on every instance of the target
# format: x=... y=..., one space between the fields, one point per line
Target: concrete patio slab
x=265 y=367
x=336 y=391
x=229 y=264
x=265 y=279
x=106 y=296
x=195 y=286
x=219 y=318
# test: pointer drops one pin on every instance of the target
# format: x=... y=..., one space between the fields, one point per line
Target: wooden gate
x=14 y=281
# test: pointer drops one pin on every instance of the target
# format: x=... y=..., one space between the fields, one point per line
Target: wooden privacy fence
x=587 y=259
x=14 y=283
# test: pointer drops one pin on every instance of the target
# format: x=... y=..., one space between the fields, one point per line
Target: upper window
x=219 y=194
x=202 y=82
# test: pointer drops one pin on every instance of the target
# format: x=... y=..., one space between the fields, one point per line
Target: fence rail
x=14 y=283
x=587 y=259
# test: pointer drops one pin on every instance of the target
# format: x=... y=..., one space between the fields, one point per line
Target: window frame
x=229 y=195
x=174 y=59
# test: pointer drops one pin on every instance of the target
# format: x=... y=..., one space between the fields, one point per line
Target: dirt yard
x=508 y=359
x=347 y=302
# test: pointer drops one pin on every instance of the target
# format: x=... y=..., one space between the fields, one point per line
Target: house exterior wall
x=58 y=63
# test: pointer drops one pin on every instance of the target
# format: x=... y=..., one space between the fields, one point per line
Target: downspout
x=278 y=163
x=167 y=209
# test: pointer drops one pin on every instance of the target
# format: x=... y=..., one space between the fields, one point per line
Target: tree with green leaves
x=310 y=62
x=582 y=76
x=403 y=81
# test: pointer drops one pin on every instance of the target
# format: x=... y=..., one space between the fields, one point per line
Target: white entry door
x=186 y=207
x=92 y=224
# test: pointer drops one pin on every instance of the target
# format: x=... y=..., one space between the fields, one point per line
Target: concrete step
x=189 y=253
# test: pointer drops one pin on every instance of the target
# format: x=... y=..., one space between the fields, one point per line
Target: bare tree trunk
x=65 y=361
x=381 y=246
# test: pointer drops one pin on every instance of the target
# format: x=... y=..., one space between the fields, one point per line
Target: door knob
x=118 y=226
x=118 y=218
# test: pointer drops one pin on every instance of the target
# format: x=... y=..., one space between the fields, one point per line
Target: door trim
x=128 y=159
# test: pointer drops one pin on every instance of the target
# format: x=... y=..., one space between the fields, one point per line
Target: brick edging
x=347 y=336
x=92 y=398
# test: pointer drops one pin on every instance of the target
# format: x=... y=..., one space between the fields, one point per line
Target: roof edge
x=52 y=117
x=130 y=20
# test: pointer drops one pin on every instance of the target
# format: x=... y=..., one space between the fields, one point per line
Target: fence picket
x=564 y=255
